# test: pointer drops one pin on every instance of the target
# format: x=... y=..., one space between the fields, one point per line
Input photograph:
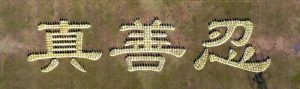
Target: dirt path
x=8 y=45
x=264 y=44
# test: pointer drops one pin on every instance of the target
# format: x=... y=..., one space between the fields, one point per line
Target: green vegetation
x=271 y=19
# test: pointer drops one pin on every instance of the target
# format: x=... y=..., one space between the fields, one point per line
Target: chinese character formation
x=145 y=44
x=64 y=40
x=247 y=61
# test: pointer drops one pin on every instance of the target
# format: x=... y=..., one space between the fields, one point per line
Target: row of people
x=244 y=37
x=214 y=34
x=219 y=40
x=233 y=23
x=144 y=24
x=141 y=65
x=145 y=54
x=178 y=52
x=154 y=46
x=138 y=42
x=62 y=26
x=49 y=55
x=253 y=67
x=47 y=68
x=126 y=27
x=55 y=23
x=77 y=65
x=200 y=61
x=64 y=36
x=145 y=68
x=144 y=35
x=228 y=19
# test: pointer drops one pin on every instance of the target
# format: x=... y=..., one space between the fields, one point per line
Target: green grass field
x=276 y=32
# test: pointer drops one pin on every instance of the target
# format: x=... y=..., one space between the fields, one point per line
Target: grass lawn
x=276 y=29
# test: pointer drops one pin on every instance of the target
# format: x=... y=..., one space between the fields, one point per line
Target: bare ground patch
x=264 y=44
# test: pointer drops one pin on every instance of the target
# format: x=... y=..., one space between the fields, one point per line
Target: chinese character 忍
x=216 y=39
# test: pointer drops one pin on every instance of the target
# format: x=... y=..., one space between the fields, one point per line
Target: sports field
x=275 y=34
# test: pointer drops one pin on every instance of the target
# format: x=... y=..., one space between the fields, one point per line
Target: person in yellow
x=64 y=40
